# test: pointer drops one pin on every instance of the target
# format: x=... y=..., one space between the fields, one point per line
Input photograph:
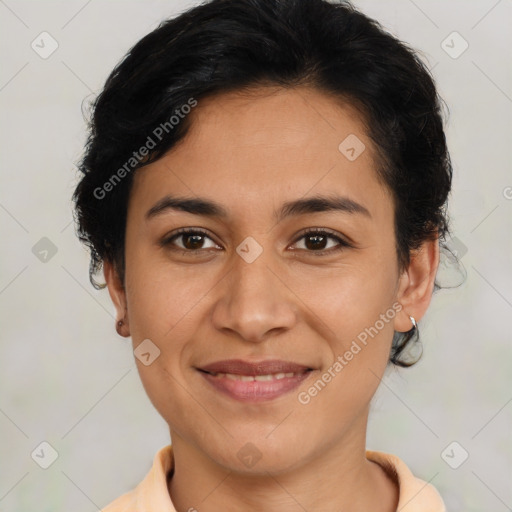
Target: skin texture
x=251 y=153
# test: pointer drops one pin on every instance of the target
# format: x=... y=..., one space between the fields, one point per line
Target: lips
x=253 y=369
x=259 y=381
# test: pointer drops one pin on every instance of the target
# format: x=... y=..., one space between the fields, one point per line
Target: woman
x=265 y=186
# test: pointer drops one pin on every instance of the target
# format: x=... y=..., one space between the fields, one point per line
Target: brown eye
x=321 y=241
x=191 y=240
x=315 y=242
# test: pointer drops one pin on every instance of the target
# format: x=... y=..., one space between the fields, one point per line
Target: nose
x=254 y=301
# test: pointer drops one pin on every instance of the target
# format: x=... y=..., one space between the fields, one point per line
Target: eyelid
x=166 y=240
x=343 y=240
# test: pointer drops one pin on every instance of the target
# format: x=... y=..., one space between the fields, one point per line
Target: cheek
x=349 y=298
x=163 y=308
x=170 y=394
x=356 y=306
x=162 y=300
x=361 y=322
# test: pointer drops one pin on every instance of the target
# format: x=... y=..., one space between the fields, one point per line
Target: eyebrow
x=208 y=208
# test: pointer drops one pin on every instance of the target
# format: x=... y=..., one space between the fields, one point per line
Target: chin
x=257 y=454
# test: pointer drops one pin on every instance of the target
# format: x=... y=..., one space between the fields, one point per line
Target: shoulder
x=152 y=493
x=415 y=495
x=124 y=503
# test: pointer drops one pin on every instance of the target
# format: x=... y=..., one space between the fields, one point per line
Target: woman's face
x=253 y=285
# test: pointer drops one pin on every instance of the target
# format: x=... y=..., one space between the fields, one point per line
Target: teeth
x=259 y=378
x=263 y=378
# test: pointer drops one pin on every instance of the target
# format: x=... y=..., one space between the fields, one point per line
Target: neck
x=339 y=477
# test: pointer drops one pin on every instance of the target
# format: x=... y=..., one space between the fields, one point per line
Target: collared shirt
x=152 y=494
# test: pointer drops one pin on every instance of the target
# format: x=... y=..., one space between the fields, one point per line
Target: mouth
x=254 y=368
x=254 y=381
x=259 y=378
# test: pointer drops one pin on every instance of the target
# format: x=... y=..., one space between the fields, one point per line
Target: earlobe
x=416 y=284
x=118 y=296
x=122 y=328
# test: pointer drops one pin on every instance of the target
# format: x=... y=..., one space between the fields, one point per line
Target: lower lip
x=255 y=391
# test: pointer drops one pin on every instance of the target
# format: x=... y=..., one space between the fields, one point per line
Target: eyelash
x=342 y=244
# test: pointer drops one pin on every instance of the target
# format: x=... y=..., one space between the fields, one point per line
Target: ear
x=416 y=284
x=118 y=295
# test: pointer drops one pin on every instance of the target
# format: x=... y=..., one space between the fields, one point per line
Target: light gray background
x=68 y=379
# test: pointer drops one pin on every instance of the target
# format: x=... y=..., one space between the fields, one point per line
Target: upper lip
x=241 y=367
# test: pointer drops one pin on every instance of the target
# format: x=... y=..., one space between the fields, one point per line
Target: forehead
x=296 y=118
x=268 y=142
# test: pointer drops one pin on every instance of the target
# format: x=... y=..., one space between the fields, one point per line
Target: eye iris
x=319 y=241
x=193 y=241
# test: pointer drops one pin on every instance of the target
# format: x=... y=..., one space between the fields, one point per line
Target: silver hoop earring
x=414 y=324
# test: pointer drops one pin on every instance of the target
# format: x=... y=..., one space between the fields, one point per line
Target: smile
x=255 y=388
x=260 y=378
